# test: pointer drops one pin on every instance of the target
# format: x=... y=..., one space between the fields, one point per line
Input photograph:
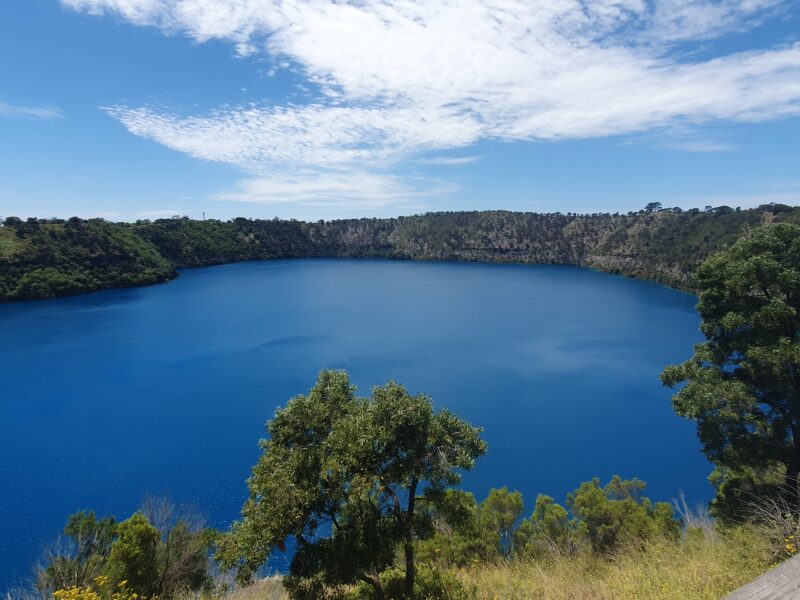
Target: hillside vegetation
x=46 y=259
x=706 y=567
x=49 y=258
x=462 y=554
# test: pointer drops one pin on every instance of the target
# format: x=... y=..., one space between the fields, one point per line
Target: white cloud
x=448 y=161
x=261 y=138
x=698 y=145
x=345 y=190
x=678 y=20
x=29 y=112
x=402 y=77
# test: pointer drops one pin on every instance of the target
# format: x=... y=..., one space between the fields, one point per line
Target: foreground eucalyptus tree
x=743 y=383
x=343 y=477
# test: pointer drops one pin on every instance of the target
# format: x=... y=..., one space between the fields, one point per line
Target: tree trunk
x=375 y=582
x=409 y=541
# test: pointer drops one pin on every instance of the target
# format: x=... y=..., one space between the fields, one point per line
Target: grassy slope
x=700 y=568
x=264 y=589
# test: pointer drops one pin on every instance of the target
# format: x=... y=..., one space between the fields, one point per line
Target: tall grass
x=697 y=568
x=261 y=589
x=701 y=566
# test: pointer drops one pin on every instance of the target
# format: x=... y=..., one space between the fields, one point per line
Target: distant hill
x=54 y=257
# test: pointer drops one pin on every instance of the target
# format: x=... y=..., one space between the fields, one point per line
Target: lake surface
x=114 y=395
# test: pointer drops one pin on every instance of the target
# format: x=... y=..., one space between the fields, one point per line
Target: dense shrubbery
x=432 y=583
x=43 y=259
x=47 y=258
x=598 y=520
x=153 y=554
x=106 y=560
x=617 y=545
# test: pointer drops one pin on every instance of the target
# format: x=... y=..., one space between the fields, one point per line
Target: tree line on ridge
x=46 y=258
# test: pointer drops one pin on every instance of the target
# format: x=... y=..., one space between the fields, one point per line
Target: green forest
x=363 y=490
x=46 y=258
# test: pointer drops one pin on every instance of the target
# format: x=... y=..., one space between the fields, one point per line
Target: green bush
x=548 y=531
x=431 y=584
x=618 y=514
x=597 y=519
x=155 y=561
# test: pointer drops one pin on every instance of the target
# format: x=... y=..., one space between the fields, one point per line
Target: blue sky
x=313 y=109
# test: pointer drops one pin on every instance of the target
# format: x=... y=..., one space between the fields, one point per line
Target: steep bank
x=50 y=259
x=44 y=259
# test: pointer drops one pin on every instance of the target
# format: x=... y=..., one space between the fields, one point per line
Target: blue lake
x=165 y=390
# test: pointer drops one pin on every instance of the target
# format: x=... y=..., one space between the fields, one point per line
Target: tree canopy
x=343 y=476
x=742 y=385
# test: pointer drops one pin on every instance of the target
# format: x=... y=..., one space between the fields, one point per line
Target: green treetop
x=743 y=383
x=343 y=477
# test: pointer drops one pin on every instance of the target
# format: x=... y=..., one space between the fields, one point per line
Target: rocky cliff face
x=665 y=246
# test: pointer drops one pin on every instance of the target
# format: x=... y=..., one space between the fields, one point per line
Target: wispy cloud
x=698 y=145
x=29 y=112
x=403 y=78
x=349 y=189
x=448 y=161
x=261 y=138
x=684 y=138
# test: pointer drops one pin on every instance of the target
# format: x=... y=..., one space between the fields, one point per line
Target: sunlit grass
x=261 y=589
x=702 y=568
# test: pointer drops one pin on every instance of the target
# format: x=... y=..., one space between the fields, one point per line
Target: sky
x=323 y=109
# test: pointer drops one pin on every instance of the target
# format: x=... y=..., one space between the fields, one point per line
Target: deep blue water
x=110 y=396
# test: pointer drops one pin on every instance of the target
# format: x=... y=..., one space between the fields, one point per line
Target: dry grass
x=261 y=589
x=705 y=567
